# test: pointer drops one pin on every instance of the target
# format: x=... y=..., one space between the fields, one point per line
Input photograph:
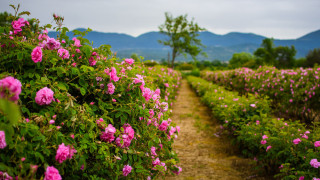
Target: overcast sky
x=280 y=19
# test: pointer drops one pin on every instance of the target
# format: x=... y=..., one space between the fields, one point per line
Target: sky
x=279 y=19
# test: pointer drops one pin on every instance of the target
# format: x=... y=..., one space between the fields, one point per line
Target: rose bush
x=85 y=113
x=272 y=142
x=294 y=92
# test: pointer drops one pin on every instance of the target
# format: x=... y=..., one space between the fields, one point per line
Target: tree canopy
x=182 y=36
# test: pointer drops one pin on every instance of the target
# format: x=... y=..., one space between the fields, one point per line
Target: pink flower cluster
x=44 y=96
x=296 y=141
x=63 y=53
x=64 y=153
x=126 y=170
x=93 y=58
x=129 y=61
x=10 y=88
x=126 y=137
x=5 y=176
x=76 y=42
x=3 y=143
x=16 y=25
x=36 y=54
x=163 y=126
x=108 y=134
x=179 y=170
x=314 y=163
x=52 y=174
x=157 y=162
x=317 y=144
x=50 y=43
x=113 y=75
x=111 y=88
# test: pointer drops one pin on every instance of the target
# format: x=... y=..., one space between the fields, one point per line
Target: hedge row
x=293 y=92
x=285 y=148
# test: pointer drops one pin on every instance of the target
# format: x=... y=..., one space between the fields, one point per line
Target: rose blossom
x=52 y=174
x=317 y=144
x=296 y=141
x=44 y=96
x=3 y=143
x=111 y=88
x=113 y=75
x=64 y=153
x=129 y=61
x=126 y=170
x=12 y=86
x=163 y=126
x=108 y=134
x=153 y=151
x=76 y=42
x=63 y=53
x=314 y=163
x=36 y=54
x=269 y=147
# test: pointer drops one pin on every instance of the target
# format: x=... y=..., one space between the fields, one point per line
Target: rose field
x=71 y=111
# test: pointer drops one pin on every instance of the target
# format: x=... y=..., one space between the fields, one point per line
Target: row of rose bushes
x=85 y=114
x=282 y=147
x=293 y=92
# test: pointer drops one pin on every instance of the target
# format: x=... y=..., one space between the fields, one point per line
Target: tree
x=313 y=57
x=182 y=36
x=240 y=59
x=285 y=56
x=266 y=52
x=5 y=19
x=281 y=56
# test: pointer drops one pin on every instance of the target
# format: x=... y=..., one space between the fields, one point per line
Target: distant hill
x=220 y=47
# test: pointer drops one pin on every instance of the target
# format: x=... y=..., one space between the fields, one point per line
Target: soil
x=204 y=153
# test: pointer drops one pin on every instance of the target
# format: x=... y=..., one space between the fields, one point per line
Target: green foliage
x=281 y=56
x=182 y=36
x=248 y=119
x=82 y=97
x=294 y=92
x=241 y=60
x=313 y=57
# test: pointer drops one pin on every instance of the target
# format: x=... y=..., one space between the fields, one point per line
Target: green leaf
x=11 y=111
x=62 y=87
x=82 y=91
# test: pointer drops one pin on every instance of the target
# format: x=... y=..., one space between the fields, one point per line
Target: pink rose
x=126 y=170
x=317 y=144
x=296 y=141
x=129 y=61
x=111 y=88
x=63 y=53
x=64 y=153
x=269 y=147
x=3 y=143
x=108 y=135
x=36 y=54
x=163 y=126
x=263 y=141
x=153 y=151
x=52 y=174
x=113 y=75
x=12 y=86
x=76 y=42
x=44 y=96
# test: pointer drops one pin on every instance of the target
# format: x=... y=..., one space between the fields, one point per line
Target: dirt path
x=203 y=153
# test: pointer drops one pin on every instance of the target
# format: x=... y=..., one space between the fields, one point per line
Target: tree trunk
x=168 y=59
x=173 y=57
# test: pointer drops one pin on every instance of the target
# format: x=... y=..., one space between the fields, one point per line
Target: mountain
x=220 y=47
